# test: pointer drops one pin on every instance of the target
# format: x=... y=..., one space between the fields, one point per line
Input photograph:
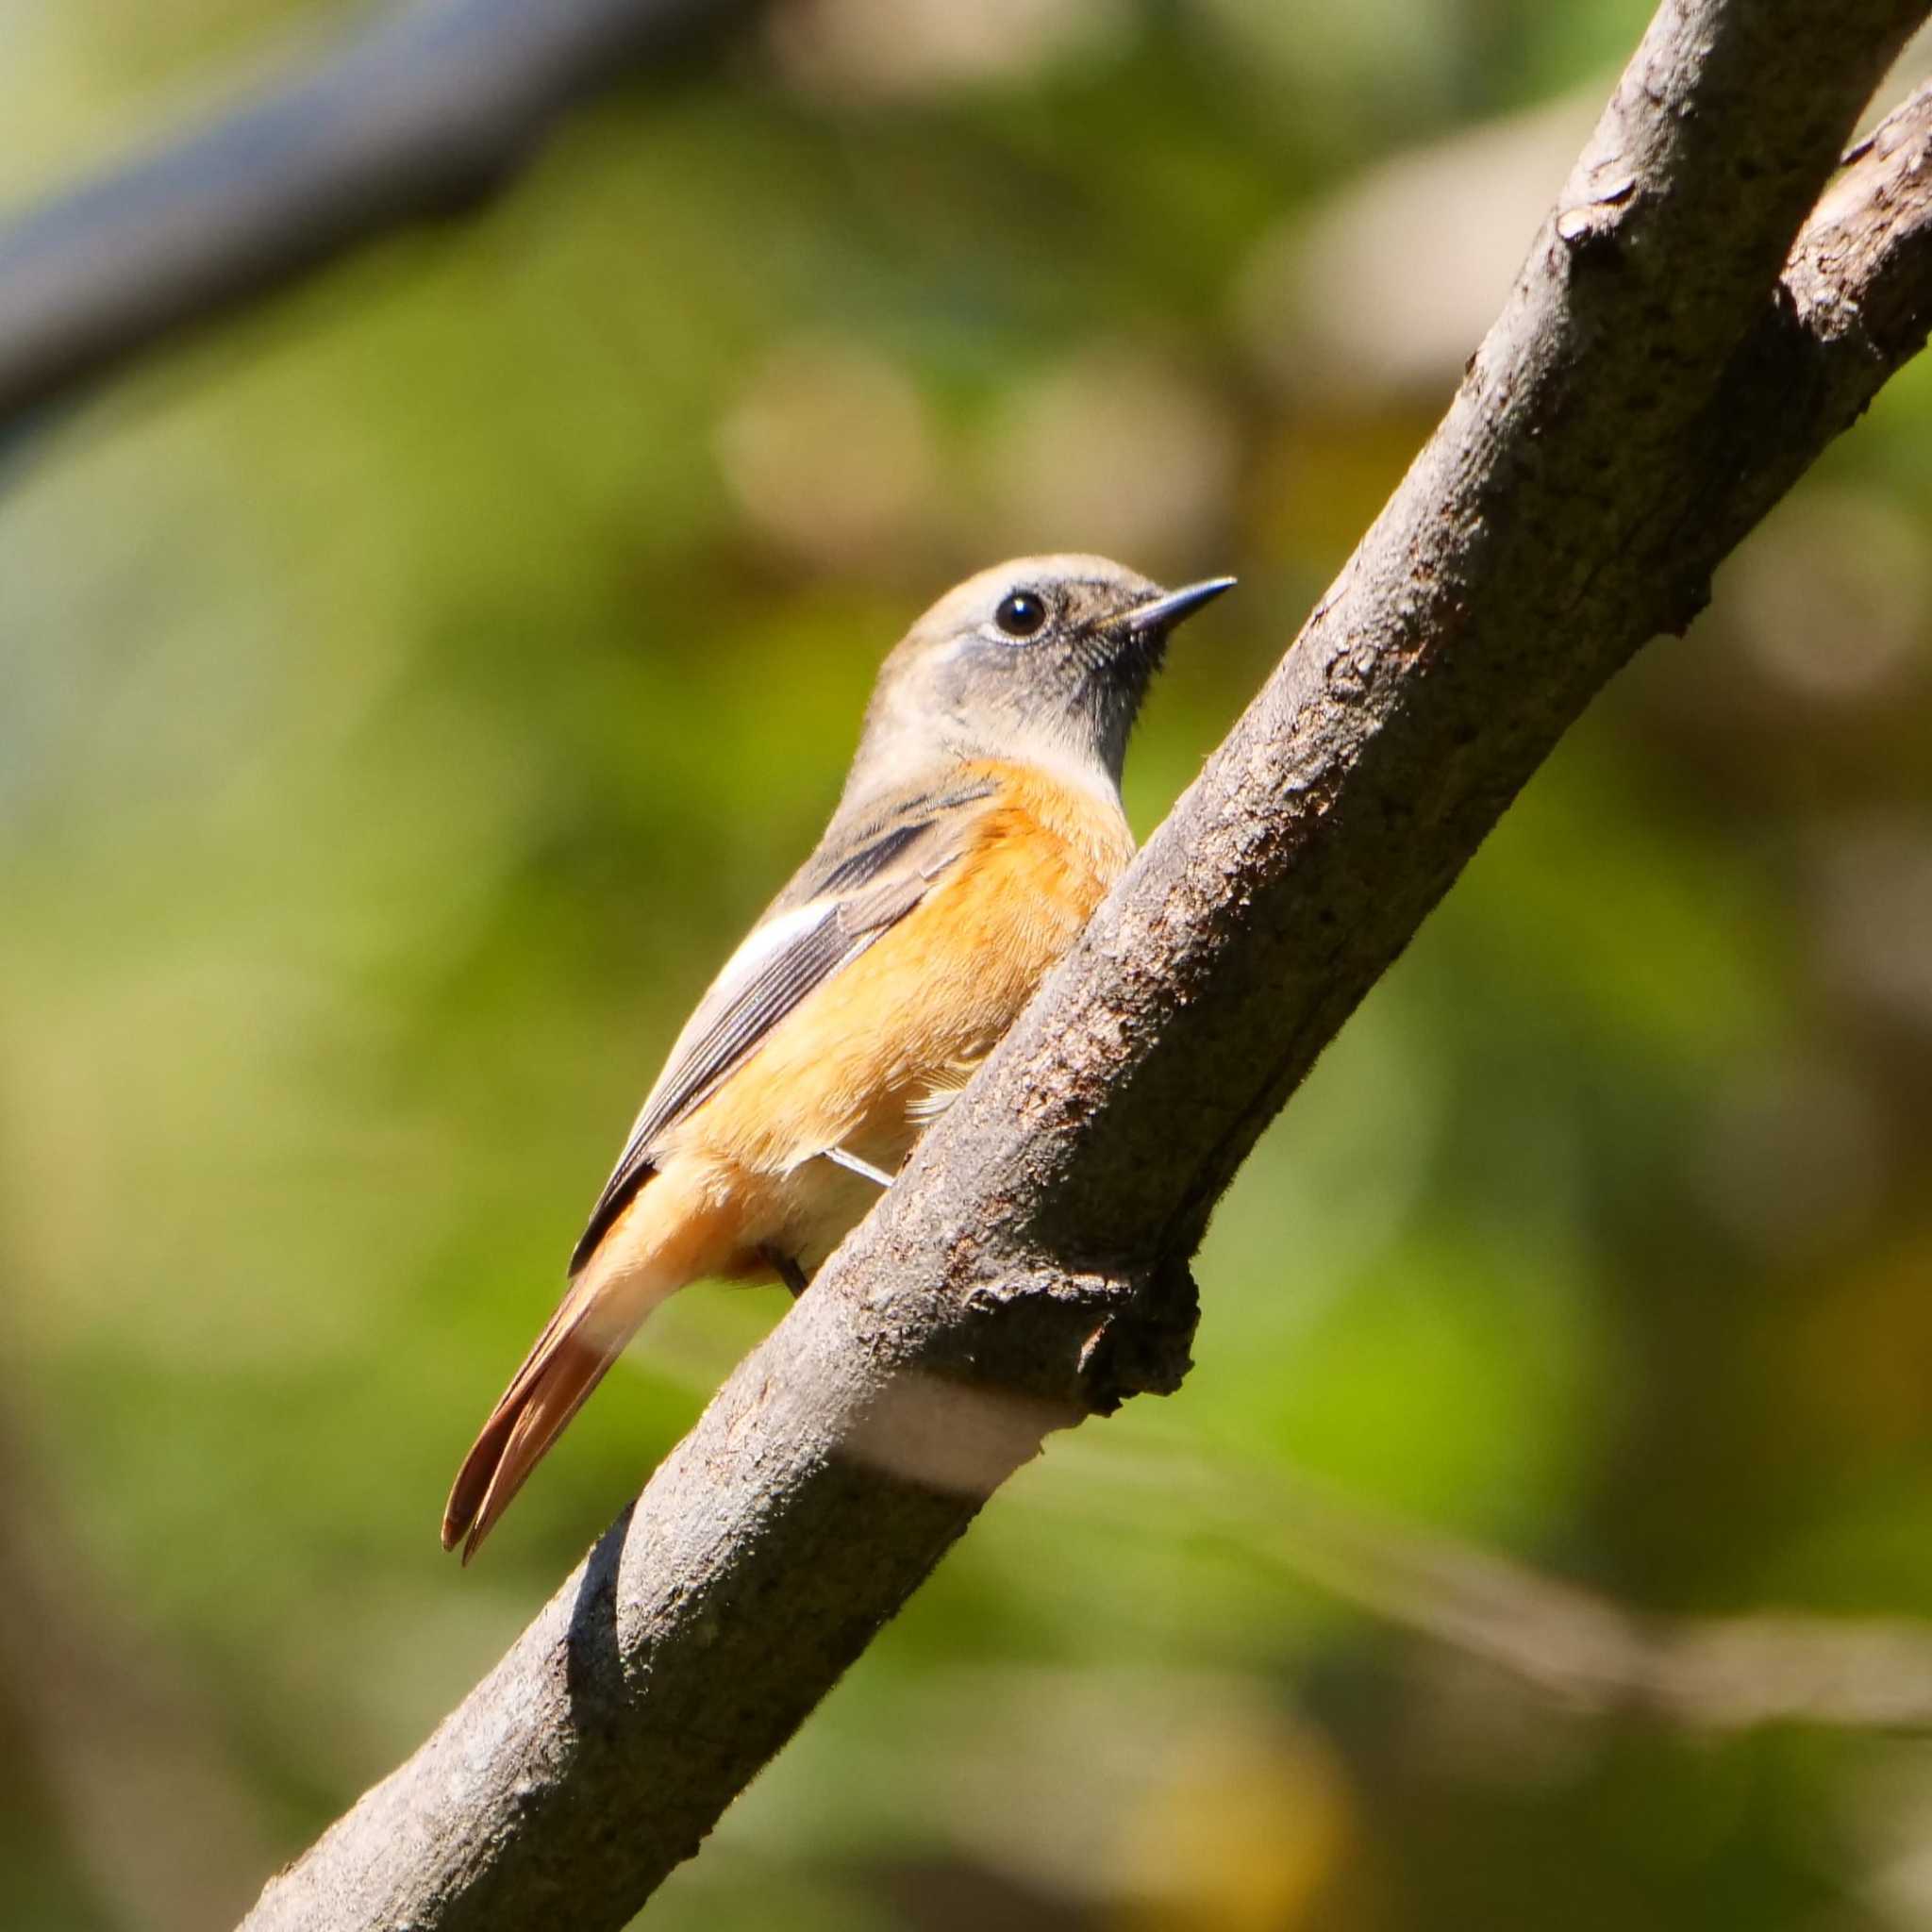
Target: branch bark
x=437 y=106
x=1652 y=385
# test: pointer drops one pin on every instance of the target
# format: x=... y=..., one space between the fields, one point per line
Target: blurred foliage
x=412 y=690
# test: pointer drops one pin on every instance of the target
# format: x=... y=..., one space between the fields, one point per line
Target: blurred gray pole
x=435 y=107
x=1674 y=354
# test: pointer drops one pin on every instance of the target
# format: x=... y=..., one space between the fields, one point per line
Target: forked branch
x=1675 y=352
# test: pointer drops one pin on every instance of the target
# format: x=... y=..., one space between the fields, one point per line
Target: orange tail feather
x=668 y=1235
x=549 y=1389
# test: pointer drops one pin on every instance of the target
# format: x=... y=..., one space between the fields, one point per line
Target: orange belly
x=858 y=1065
x=870 y=1055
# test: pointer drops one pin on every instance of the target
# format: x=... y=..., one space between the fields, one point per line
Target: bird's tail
x=659 y=1244
x=555 y=1381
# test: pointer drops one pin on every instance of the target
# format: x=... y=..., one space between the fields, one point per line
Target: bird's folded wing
x=865 y=877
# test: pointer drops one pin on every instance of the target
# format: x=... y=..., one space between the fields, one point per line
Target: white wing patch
x=735 y=978
x=852 y=889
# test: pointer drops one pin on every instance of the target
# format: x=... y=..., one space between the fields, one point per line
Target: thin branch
x=1031 y=1265
x=436 y=106
x=1596 y=1657
x=1602 y=1658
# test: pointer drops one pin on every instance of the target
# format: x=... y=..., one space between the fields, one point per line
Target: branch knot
x=1142 y=1346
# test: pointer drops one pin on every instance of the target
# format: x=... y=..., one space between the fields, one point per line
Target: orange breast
x=860 y=1062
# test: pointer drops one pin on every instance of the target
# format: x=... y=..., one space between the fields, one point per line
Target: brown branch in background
x=1603 y=1659
x=1596 y=1657
x=437 y=106
x=1610 y=439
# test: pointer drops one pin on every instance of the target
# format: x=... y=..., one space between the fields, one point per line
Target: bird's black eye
x=1021 y=614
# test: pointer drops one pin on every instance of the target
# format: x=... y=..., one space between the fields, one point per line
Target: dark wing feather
x=872 y=868
x=904 y=829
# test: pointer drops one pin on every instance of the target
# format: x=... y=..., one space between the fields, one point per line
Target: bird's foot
x=786 y=1270
x=852 y=1163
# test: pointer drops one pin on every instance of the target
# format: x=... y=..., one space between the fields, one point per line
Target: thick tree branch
x=434 y=108
x=1613 y=436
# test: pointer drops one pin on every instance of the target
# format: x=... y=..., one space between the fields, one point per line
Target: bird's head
x=1046 y=660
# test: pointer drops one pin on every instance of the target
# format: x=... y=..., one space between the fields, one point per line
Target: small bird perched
x=979 y=827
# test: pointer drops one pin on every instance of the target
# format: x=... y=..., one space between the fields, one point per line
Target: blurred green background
x=409 y=693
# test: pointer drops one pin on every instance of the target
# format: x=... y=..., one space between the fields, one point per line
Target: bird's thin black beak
x=1164 y=612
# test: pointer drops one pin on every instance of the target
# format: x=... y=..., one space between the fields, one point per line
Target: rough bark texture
x=439 y=105
x=1650 y=389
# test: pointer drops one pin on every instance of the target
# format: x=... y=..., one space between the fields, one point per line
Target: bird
x=979 y=827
